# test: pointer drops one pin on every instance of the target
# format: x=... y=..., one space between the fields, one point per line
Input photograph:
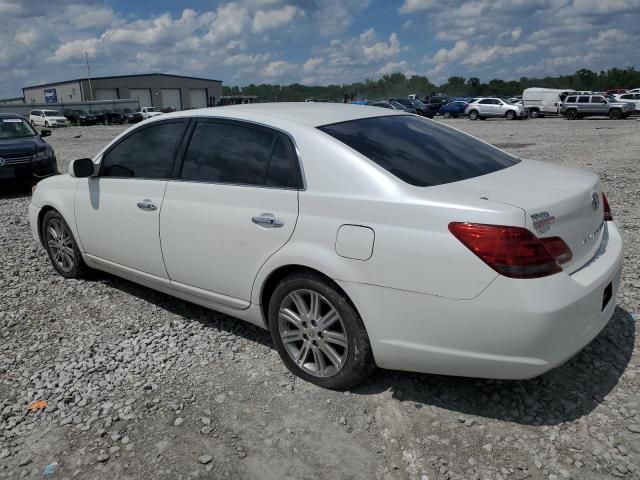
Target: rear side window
x=147 y=153
x=583 y=100
x=239 y=154
x=420 y=152
x=571 y=99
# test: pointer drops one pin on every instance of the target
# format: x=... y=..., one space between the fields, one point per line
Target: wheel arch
x=272 y=280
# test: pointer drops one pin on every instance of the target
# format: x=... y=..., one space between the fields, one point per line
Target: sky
x=314 y=42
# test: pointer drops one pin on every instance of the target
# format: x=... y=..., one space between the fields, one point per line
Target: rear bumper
x=515 y=329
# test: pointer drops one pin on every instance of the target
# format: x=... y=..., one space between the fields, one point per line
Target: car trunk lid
x=557 y=202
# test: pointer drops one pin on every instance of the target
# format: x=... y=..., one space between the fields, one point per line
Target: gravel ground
x=139 y=385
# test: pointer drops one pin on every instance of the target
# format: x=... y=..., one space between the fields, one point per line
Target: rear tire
x=473 y=115
x=615 y=114
x=571 y=114
x=61 y=247
x=318 y=333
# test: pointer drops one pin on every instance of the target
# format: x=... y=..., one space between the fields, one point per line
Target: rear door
x=234 y=205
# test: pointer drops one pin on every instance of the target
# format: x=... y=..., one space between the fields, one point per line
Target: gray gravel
x=140 y=385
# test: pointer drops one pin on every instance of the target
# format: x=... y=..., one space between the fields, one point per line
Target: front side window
x=486 y=102
x=147 y=153
x=420 y=152
x=597 y=99
x=242 y=155
x=583 y=100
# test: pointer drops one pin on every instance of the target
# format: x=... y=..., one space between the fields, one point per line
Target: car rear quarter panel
x=413 y=248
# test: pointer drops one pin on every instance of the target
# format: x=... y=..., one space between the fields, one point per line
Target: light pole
x=86 y=56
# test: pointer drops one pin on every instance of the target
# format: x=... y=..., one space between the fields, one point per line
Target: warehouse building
x=158 y=90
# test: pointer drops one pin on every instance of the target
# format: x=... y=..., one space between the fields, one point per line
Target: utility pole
x=86 y=56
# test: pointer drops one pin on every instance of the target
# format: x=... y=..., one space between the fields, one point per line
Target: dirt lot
x=140 y=385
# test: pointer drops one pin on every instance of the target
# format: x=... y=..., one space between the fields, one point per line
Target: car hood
x=623 y=104
x=17 y=146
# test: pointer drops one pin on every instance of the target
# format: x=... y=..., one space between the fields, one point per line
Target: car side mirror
x=45 y=133
x=604 y=101
x=82 y=168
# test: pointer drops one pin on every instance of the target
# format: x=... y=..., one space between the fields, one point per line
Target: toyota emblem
x=2 y=162
x=595 y=201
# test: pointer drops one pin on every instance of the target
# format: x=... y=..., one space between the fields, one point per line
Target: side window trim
x=176 y=147
x=290 y=145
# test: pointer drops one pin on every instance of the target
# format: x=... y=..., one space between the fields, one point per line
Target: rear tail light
x=514 y=252
x=608 y=217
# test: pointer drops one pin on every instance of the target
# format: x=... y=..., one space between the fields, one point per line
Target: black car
x=131 y=116
x=80 y=117
x=434 y=103
x=107 y=117
x=24 y=156
x=420 y=107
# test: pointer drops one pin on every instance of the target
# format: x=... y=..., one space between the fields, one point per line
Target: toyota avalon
x=359 y=237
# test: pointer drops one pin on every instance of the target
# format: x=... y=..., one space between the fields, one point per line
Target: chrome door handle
x=147 y=205
x=267 y=221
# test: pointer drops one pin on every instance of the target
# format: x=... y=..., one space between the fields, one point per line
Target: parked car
x=393 y=106
x=100 y=115
x=434 y=103
x=634 y=90
x=148 y=112
x=616 y=91
x=47 y=118
x=24 y=156
x=629 y=98
x=419 y=107
x=580 y=106
x=80 y=117
x=453 y=109
x=494 y=108
x=544 y=101
x=114 y=116
x=406 y=244
x=168 y=110
x=131 y=116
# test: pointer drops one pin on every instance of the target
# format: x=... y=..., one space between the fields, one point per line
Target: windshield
x=51 y=113
x=420 y=152
x=15 y=128
x=417 y=103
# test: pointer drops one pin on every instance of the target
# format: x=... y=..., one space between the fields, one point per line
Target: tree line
x=399 y=85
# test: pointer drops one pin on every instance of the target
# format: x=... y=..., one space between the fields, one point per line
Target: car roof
x=10 y=115
x=311 y=114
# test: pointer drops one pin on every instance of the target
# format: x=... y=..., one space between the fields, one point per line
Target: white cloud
x=411 y=6
x=333 y=17
x=263 y=21
x=245 y=59
x=312 y=64
x=277 y=69
x=75 y=50
x=381 y=50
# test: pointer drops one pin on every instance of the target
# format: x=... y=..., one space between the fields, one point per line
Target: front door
x=235 y=205
x=118 y=211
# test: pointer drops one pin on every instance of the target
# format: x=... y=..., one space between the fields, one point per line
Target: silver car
x=579 y=106
x=495 y=108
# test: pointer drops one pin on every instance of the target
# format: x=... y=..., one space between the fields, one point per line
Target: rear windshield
x=420 y=152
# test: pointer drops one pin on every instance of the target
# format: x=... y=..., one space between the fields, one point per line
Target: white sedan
x=357 y=236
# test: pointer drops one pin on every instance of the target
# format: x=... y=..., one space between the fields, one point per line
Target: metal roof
x=120 y=76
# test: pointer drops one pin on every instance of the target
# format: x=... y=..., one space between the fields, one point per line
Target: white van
x=544 y=101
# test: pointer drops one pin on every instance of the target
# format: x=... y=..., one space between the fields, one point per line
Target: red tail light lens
x=514 y=252
x=557 y=248
x=608 y=217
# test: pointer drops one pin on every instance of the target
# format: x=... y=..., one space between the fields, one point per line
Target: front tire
x=510 y=115
x=61 y=247
x=318 y=333
x=615 y=114
x=473 y=115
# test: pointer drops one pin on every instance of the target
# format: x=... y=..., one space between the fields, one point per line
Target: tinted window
x=418 y=151
x=626 y=97
x=486 y=102
x=225 y=153
x=583 y=100
x=146 y=153
x=571 y=100
x=597 y=99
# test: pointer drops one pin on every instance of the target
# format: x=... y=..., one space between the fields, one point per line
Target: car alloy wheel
x=571 y=115
x=510 y=115
x=60 y=245
x=313 y=333
x=615 y=114
x=473 y=115
x=533 y=114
